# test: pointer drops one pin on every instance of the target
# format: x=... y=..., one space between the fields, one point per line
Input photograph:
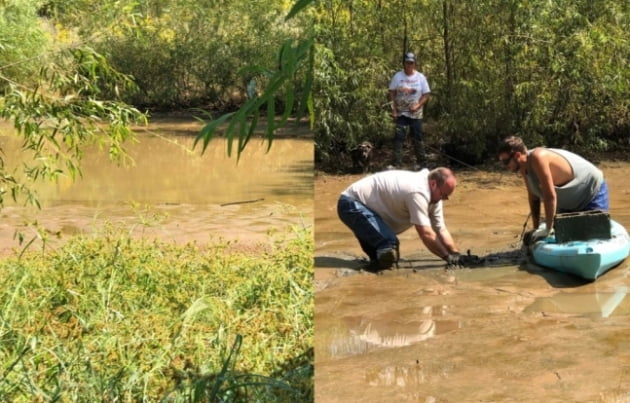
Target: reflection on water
x=597 y=304
x=360 y=335
x=398 y=337
x=410 y=375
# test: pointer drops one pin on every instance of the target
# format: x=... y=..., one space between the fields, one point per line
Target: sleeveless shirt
x=577 y=193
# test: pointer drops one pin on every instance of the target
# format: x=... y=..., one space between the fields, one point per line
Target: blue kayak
x=587 y=259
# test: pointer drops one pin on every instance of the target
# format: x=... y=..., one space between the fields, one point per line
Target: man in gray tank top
x=563 y=181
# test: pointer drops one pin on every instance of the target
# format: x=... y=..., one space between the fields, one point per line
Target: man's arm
x=423 y=100
x=540 y=165
x=534 y=208
x=392 y=99
x=440 y=244
x=534 y=205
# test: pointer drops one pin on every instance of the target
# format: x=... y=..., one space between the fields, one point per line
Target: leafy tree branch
x=60 y=114
x=292 y=55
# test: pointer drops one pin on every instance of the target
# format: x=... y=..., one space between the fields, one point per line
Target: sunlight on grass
x=111 y=318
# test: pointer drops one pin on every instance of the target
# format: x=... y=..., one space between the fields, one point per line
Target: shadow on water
x=302 y=184
x=414 y=263
x=555 y=279
x=333 y=262
x=302 y=167
x=349 y=265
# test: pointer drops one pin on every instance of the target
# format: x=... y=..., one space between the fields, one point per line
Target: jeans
x=600 y=201
x=369 y=228
x=415 y=127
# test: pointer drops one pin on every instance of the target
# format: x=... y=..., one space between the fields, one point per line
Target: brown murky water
x=508 y=332
x=172 y=192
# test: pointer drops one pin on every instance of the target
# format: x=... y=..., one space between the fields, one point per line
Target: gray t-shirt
x=577 y=193
x=401 y=198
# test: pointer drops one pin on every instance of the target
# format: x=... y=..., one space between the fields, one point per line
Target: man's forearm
x=423 y=100
x=447 y=240
x=437 y=244
x=550 y=212
x=534 y=207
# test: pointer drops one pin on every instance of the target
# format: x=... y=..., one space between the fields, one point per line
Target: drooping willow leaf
x=297 y=7
x=291 y=57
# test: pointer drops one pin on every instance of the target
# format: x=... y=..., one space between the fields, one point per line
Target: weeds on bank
x=112 y=318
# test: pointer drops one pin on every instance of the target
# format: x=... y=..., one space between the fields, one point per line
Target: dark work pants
x=369 y=228
x=414 y=126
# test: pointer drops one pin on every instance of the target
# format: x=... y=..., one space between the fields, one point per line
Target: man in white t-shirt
x=380 y=206
x=408 y=92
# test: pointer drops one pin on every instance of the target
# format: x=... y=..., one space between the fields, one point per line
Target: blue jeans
x=369 y=228
x=415 y=127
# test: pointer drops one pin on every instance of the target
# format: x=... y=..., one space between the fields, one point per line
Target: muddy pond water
x=510 y=331
x=172 y=191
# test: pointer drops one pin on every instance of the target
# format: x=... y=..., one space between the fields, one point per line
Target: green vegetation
x=109 y=318
x=555 y=73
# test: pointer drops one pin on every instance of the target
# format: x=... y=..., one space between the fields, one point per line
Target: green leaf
x=297 y=7
x=208 y=131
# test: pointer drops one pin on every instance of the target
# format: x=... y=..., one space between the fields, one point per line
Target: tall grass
x=115 y=319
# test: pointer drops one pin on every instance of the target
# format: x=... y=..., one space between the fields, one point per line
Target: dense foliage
x=109 y=318
x=181 y=53
x=77 y=72
x=555 y=73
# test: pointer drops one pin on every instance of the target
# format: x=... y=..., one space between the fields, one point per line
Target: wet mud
x=506 y=331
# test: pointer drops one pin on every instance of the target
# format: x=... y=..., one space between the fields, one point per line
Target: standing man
x=408 y=92
x=562 y=180
x=379 y=206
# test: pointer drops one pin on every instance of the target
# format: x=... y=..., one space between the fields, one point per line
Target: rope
x=437 y=150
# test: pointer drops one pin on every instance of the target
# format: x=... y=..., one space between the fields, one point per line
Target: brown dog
x=362 y=156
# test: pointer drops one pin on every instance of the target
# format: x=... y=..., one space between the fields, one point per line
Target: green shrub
x=112 y=318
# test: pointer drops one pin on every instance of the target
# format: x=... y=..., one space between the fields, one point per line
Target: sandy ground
x=508 y=332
